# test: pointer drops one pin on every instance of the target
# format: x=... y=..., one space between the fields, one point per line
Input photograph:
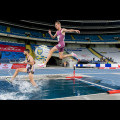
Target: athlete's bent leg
x=61 y=56
x=50 y=54
x=31 y=77
x=17 y=71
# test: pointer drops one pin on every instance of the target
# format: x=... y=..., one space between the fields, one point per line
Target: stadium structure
x=99 y=41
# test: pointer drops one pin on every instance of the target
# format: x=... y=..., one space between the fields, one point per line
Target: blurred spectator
x=65 y=64
x=78 y=61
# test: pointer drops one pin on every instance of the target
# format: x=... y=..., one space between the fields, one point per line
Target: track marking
x=96 y=84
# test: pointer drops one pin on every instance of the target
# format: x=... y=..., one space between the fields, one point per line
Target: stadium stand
x=109 y=53
x=12 y=52
x=12 y=44
x=36 y=34
x=83 y=53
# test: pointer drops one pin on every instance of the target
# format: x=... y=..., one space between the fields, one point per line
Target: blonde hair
x=58 y=22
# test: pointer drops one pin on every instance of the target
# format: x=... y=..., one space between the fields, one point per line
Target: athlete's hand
x=49 y=32
x=77 y=31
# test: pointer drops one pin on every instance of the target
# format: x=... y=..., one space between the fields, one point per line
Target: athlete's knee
x=17 y=70
x=31 y=80
x=61 y=57
x=51 y=51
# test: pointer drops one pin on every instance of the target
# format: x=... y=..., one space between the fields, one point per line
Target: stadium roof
x=87 y=26
x=90 y=21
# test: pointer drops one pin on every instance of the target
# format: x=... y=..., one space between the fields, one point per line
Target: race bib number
x=58 y=37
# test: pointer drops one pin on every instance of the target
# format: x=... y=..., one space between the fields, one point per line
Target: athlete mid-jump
x=60 y=34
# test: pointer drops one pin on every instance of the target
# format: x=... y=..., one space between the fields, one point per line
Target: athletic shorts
x=60 y=47
x=29 y=70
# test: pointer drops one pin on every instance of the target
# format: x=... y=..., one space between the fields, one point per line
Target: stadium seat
x=80 y=38
x=12 y=55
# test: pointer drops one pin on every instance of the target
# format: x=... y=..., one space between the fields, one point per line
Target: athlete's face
x=25 y=53
x=57 y=26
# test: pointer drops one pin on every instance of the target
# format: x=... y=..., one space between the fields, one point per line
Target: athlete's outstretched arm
x=53 y=37
x=71 y=31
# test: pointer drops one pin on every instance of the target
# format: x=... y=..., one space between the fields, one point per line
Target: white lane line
x=96 y=84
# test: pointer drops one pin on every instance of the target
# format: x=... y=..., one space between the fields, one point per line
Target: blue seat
x=12 y=55
x=68 y=37
x=36 y=34
x=13 y=44
x=3 y=28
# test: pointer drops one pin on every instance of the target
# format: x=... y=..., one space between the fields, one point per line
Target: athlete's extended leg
x=17 y=71
x=48 y=57
x=61 y=56
x=50 y=54
x=31 y=77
